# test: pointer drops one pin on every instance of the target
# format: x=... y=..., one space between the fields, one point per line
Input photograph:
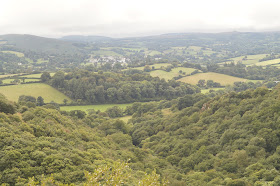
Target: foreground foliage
x=230 y=139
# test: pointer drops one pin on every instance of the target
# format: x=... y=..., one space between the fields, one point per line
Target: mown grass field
x=37 y=89
x=251 y=59
x=173 y=73
x=220 y=78
x=102 y=108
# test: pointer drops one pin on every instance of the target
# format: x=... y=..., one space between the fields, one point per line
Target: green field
x=102 y=108
x=37 y=89
x=19 y=54
x=152 y=52
x=251 y=59
x=195 y=48
x=277 y=65
x=162 y=74
x=220 y=78
x=269 y=62
x=41 y=60
x=35 y=75
x=204 y=91
x=8 y=81
x=8 y=75
x=173 y=73
x=156 y=66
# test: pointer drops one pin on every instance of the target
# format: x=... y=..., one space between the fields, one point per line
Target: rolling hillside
x=39 y=44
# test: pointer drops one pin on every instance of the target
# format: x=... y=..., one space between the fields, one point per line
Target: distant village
x=109 y=59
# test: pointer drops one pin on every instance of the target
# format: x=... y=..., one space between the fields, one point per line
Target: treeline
x=90 y=87
x=270 y=57
x=249 y=72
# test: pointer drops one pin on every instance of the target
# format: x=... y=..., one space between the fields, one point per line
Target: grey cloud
x=123 y=18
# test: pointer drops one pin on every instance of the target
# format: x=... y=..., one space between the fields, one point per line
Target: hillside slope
x=232 y=139
x=39 y=44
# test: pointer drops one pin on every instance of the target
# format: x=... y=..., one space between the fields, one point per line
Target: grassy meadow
x=268 y=62
x=102 y=107
x=251 y=59
x=8 y=81
x=156 y=66
x=35 y=75
x=8 y=75
x=173 y=73
x=37 y=89
x=18 y=54
x=216 y=77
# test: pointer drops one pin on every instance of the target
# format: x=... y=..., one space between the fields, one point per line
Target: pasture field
x=36 y=89
x=162 y=74
x=184 y=69
x=7 y=81
x=269 y=62
x=152 y=52
x=18 y=54
x=28 y=80
x=251 y=59
x=204 y=91
x=157 y=66
x=35 y=75
x=41 y=60
x=124 y=48
x=195 y=48
x=277 y=65
x=8 y=75
x=216 y=77
x=192 y=50
x=102 y=108
x=173 y=73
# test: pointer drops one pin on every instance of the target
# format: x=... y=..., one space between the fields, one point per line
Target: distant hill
x=39 y=44
x=85 y=39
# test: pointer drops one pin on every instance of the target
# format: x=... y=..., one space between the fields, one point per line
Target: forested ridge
x=231 y=139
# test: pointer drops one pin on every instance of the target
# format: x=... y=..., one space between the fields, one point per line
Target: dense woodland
x=92 y=87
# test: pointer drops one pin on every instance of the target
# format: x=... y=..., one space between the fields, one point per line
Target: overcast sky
x=123 y=18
